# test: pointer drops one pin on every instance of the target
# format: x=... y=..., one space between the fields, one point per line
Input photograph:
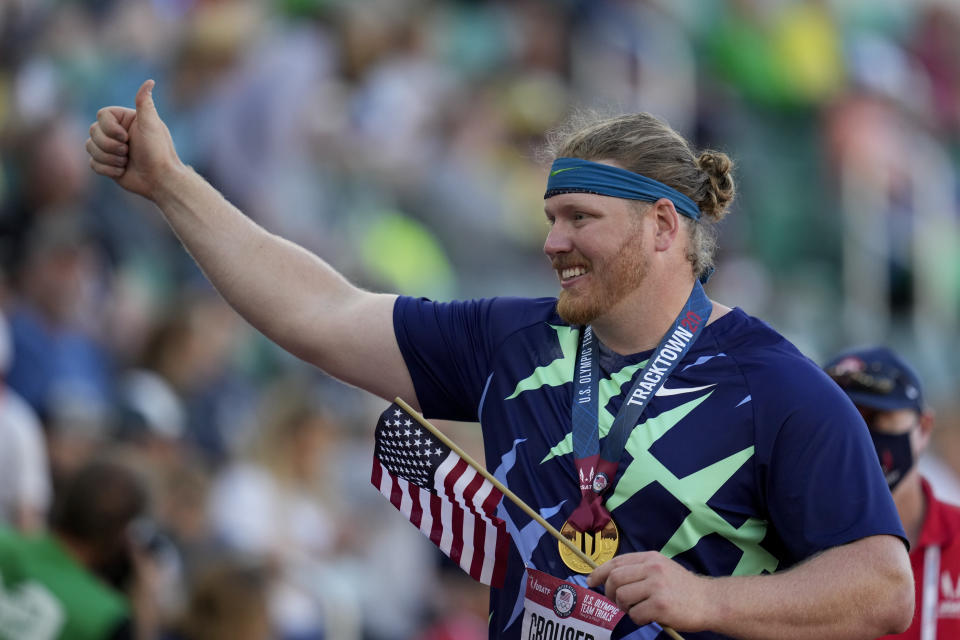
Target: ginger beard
x=612 y=279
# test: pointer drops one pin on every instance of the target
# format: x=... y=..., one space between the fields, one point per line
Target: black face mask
x=896 y=455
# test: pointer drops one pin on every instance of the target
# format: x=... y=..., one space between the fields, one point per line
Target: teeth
x=572 y=272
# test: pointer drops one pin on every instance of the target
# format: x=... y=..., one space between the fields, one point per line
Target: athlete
x=888 y=394
x=643 y=420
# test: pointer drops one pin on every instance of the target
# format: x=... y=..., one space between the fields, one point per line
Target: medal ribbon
x=596 y=468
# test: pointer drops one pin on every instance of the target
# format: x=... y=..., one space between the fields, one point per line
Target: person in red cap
x=888 y=394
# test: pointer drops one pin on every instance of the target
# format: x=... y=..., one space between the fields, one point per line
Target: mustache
x=569 y=260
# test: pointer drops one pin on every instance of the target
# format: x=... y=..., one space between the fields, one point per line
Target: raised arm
x=292 y=296
x=859 y=591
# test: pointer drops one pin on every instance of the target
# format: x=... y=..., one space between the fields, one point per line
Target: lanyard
x=597 y=468
x=930 y=594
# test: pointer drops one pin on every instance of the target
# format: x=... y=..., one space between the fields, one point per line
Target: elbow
x=902 y=609
x=894 y=612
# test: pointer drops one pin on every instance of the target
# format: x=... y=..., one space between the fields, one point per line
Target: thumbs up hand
x=133 y=146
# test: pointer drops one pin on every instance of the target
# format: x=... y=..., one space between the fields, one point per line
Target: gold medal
x=599 y=546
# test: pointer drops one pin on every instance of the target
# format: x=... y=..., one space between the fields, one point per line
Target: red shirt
x=937 y=552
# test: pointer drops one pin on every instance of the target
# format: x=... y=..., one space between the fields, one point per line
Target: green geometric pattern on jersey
x=694 y=491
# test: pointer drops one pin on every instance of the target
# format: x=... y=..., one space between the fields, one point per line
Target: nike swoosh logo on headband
x=556 y=171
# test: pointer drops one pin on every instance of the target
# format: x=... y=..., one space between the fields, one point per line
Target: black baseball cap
x=877 y=378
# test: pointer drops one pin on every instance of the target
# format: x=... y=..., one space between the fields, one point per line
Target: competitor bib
x=555 y=609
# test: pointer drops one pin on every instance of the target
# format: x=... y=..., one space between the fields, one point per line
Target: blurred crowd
x=398 y=139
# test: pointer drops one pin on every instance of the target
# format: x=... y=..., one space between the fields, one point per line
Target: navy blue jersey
x=748 y=460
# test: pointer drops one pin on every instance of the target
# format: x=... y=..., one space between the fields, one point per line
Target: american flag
x=442 y=495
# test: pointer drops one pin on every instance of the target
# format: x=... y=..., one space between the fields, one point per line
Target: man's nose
x=557 y=241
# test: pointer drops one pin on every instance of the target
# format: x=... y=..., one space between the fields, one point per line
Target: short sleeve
x=449 y=347
x=824 y=483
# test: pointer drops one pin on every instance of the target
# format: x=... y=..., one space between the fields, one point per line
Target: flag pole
x=499 y=485
x=509 y=494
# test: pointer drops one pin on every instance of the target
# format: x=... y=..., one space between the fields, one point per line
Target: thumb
x=146 y=110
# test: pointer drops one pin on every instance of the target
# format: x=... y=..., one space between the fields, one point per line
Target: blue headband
x=573 y=175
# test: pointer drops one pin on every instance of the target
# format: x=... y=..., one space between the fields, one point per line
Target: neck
x=640 y=320
x=911 y=505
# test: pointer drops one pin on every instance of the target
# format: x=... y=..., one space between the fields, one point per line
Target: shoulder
x=19 y=424
x=951 y=513
x=104 y=607
x=941 y=527
x=521 y=309
x=946 y=513
x=497 y=317
x=43 y=559
x=16 y=415
x=794 y=404
x=15 y=546
x=772 y=366
x=9 y=539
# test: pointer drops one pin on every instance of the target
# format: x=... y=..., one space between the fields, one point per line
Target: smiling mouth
x=569 y=273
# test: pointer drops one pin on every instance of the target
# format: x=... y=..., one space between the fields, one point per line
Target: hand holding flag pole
x=507 y=492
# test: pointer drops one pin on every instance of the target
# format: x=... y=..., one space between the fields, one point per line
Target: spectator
x=228 y=601
x=274 y=505
x=888 y=394
x=89 y=578
x=58 y=363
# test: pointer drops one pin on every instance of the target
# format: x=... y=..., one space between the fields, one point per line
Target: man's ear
x=667 y=222
x=925 y=430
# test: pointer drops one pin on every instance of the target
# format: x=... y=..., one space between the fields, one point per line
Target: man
x=776 y=485
x=74 y=583
x=888 y=394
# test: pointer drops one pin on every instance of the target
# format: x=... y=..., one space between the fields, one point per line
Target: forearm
x=278 y=287
x=845 y=592
x=292 y=296
x=859 y=590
